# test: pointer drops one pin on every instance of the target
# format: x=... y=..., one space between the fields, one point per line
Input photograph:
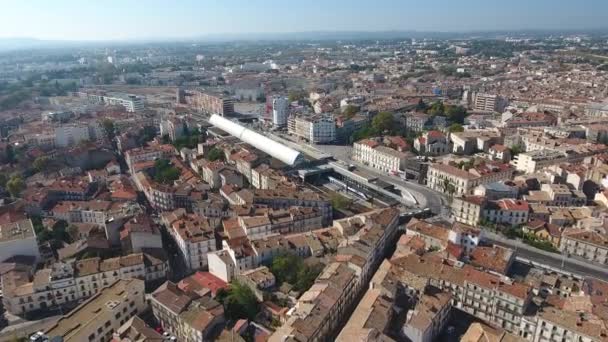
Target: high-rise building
x=280 y=111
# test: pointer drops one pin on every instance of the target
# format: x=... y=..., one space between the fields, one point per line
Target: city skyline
x=128 y=20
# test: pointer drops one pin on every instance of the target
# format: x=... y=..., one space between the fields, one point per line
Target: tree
x=15 y=185
x=41 y=163
x=216 y=154
x=456 y=114
x=339 y=202
x=350 y=111
x=384 y=121
x=421 y=106
x=437 y=108
x=10 y=154
x=239 y=302
x=516 y=149
x=455 y=127
x=108 y=127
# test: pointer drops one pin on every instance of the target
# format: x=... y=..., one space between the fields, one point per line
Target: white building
x=18 y=238
x=318 y=129
x=280 y=111
x=73 y=134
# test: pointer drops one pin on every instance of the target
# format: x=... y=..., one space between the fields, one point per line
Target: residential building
x=65 y=283
x=18 y=238
x=468 y=209
x=429 y=316
x=558 y=195
x=186 y=314
x=76 y=133
x=211 y=103
x=432 y=143
x=589 y=245
x=280 y=111
x=372 y=153
x=317 y=129
x=530 y=162
x=488 y=102
x=98 y=318
x=455 y=181
x=506 y=211
x=194 y=236
x=172 y=127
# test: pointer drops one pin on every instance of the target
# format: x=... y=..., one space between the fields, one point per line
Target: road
x=553 y=260
x=426 y=197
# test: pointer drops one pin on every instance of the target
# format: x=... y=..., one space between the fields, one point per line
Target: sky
x=161 y=19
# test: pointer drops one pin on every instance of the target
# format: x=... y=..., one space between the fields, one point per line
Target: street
x=553 y=260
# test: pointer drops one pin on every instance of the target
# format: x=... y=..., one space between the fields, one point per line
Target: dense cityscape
x=396 y=187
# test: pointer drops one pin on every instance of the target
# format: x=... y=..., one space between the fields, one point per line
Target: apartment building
x=506 y=211
x=65 y=283
x=429 y=316
x=285 y=198
x=471 y=141
x=172 y=127
x=417 y=122
x=488 y=102
x=458 y=182
x=322 y=308
x=372 y=153
x=132 y=103
x=207 y=102
x=556 y=324
x=242 y=254
x=557 y=195
x=186 y=314
x=532 y=161
x=147 y=154
x=589 y=245
x=317 y=129
x=280 y=111
x=93 y=212
x=370 y=318
x=18 y=238
x=468 y=209
x=194 y=235
x=75 y=133
x=495 y=299
x=98 y=318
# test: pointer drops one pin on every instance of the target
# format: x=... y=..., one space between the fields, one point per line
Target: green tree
x=41 y=163
x=384 y=121
x=109 y=128
x=516 y=149
x=216 y=154
x=350 y=111
x=339 y=202
x=10 y=154
x=437 y=108
x=455 y=127
x=456 y=114
x=15 y=185
x=239 y=302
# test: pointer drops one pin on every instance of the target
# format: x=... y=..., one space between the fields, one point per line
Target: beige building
x=101 y=315
x=589 y=245
x=372 y=153
x=468 y=209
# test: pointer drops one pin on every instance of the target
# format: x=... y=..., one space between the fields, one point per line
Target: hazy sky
x=141 y=19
